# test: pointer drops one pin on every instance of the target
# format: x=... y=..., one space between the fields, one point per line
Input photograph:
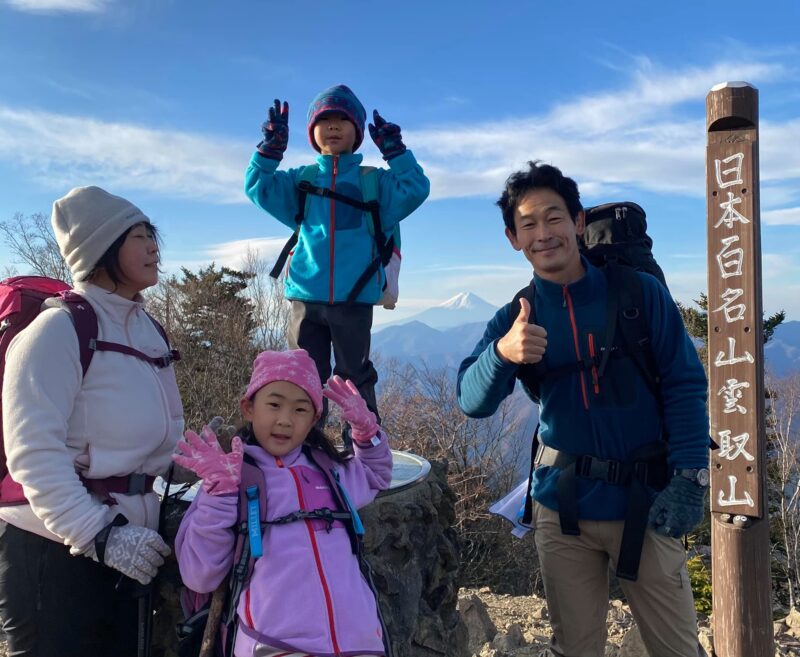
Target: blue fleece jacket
x=335 y=245
x=579 y=415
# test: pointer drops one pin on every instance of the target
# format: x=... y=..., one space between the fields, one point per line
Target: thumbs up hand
x=524 y=343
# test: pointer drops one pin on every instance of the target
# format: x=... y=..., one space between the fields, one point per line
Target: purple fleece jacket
x=307 y=593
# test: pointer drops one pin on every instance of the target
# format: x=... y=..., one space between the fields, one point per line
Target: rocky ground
x=504 y=625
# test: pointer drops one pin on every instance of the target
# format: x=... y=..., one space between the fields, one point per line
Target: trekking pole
x=145 y=596
x=214 y=618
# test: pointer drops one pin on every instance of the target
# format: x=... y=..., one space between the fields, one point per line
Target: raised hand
x=221 y=472
x=276 y=131
x=386 y=137
x=678 y=509
x=345 y=395
x=524 y=342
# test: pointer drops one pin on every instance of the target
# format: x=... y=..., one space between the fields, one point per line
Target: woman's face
x=138 y=261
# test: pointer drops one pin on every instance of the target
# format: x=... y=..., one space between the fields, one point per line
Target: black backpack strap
x=385 y=248
x=527 y=515
x=625 y=289
x=652 y=456
x=302 y=195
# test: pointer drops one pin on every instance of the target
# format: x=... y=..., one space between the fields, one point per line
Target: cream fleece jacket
x=124 y=417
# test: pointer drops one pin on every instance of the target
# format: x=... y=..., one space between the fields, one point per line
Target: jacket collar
x=115 y=306
x=263 y=458
x=343 y=162
x=583 y=291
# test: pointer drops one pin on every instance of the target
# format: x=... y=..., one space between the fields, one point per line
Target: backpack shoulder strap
x=85 y=321
x=626 y=309
x=308 y=175
x=328 y=468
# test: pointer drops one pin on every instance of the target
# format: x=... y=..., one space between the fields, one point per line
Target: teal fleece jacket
x=335 y=244
x=581 y=416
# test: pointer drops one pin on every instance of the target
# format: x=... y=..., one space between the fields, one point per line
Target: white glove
x=134 y=551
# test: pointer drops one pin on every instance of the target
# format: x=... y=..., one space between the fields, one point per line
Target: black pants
x=56 y=605
x=316 y=327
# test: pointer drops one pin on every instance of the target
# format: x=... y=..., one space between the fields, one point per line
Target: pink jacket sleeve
x=369 y=472
x=205 y=542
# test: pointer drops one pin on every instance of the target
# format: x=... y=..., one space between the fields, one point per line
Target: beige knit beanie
x=86 y=222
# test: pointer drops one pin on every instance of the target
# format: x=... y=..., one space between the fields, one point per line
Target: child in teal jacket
x=335 y=243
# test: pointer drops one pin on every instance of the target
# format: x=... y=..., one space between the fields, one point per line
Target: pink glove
x=221 y=472
x=354 y=409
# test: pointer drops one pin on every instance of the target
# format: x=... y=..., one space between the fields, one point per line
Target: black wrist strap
x=102 y=536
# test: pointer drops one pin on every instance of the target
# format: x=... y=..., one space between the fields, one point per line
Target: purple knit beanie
x=337 y=99
x=294 y=366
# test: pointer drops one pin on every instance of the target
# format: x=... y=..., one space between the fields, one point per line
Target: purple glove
x=386 y=137
x=221 y=472
x=344 y=394
x=276 y=132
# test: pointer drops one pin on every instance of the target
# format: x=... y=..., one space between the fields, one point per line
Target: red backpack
x=22 y=298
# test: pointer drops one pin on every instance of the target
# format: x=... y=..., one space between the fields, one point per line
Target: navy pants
x=55 y=605
x=319 y=327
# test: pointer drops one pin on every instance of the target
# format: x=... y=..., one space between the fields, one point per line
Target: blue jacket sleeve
x=683 y=380
x=272 y=190
x=484 y=379
x=401 y=189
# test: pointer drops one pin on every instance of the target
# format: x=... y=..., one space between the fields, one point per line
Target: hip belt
x=132 y=484
x=645 y=467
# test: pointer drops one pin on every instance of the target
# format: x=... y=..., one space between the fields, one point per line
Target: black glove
x=678 y=509
x=386 y=137
x=276 y=132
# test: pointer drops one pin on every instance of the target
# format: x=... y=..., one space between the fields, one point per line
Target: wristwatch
x=699 y=476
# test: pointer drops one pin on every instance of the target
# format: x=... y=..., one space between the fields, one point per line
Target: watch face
x=703 y=477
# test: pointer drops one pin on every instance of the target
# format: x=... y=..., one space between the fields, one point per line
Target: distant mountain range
x=443 y=335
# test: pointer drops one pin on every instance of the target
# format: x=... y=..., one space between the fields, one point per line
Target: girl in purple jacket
x=306 y=594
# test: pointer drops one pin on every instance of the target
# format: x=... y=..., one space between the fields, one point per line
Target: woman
x=69 y=557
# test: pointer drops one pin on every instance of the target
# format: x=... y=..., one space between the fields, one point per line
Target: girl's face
x=281 y=414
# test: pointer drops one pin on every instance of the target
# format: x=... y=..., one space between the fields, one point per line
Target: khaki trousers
x=575 y=575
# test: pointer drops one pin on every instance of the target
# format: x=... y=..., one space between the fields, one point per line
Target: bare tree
x=421 y=415
x=33 y=244
x=784 y=480
x=270 y=307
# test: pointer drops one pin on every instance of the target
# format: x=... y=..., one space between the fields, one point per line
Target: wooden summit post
x=742 y=620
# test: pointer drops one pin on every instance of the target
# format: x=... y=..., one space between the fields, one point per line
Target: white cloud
x=232 y=254
x=785 y=217
x=59 y=6
x=641 y=136
x=66 y=151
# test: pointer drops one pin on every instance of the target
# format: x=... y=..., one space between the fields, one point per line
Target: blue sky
x=161 y=101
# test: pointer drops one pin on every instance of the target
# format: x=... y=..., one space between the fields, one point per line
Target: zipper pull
x=335 y=164
x=595 y=375
x=563 y=296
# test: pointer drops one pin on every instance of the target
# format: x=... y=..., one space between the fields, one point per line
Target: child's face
x=334 y=134
x=281 y=414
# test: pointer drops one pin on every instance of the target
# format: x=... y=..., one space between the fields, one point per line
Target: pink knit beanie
x=294 y=366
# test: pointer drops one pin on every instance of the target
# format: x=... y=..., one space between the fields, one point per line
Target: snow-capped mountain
x=464 y=308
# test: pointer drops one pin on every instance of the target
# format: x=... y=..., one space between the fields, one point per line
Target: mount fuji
x=464 y=308
x=439 y=336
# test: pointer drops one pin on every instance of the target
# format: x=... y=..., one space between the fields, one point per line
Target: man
x=608 y=447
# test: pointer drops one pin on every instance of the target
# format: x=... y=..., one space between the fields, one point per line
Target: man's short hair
x=538 y=176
